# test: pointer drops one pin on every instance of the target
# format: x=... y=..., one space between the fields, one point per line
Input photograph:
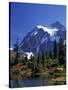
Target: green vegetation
x=48 y=65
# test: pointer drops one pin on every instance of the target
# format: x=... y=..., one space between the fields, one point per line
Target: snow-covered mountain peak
x=51 y=31
x=58 y=25
x=40 y=36
x=40 y=26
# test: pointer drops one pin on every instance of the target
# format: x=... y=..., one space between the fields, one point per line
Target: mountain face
x=42 y=38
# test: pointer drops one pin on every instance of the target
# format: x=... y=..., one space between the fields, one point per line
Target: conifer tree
x=43 y=60
x=17 y=51
x=25 y=60
x=61 y=53
x=55 y=49
x=38 y=61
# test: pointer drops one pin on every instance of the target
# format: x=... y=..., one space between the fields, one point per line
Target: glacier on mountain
x=40 y=35
x=51 y=31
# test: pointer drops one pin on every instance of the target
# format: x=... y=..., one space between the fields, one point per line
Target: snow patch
x=29 y=54
x=22 y=43
x=64 y=42
x=10 y=48
x=51 y=31
x=44 y=39
x=34 y=33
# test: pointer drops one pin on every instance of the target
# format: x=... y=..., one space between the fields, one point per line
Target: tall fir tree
x=55 y=49
x=43 y=59
x=65 y=55
x=25 y=60
x=31 y=62
x=50 y=54
x=61 y=53
x=17 y=51
x=38 y=60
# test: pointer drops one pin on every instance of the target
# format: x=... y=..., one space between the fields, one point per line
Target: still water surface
x=28 y=83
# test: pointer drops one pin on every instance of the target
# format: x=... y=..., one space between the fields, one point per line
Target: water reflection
x=28 y=83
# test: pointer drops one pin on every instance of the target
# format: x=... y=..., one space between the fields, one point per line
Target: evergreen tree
x=65 y=55
x=31 y=62
x=38 y=60
x=55 y=49
x=43 y=60
x=25 y=60
x=46 y=53
x=50 y=54
x=61 y=53
x=17 y=51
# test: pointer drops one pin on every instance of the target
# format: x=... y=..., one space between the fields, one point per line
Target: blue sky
x=25 y=16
